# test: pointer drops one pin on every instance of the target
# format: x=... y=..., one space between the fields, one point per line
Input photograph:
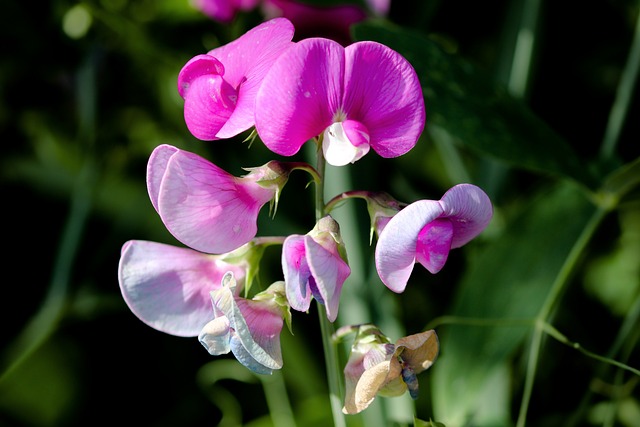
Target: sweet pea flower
x=250 y=329
x=355 y=98
x=332 y=22
x=426 y=230
x=168 y=287
x=219 y=88
x=224 y=10
x=315 y=265
x=378 y=367
x=205 y=207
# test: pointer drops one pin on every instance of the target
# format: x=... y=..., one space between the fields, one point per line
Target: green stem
x=623 y=98
x=334 y=377
x=552 y=299
x=275 y=392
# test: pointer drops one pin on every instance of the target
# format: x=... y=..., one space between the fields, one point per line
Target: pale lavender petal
x=216 y=336
x=256 y=326
x=168 y=287
x=383 y=92
x=156 y=167
x=330 y=271
x=296 y=273
x=208 y=104
x=247 y=60
x=396 y=248
x=205 y=207
x=300 y=95
x=434 y=244
x=469 y=209
x=263 y=319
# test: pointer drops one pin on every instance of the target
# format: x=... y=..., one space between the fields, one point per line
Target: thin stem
x=44 y=323
x=623 y=96
x=552 y=298
x=334 y=377
x=275 y=392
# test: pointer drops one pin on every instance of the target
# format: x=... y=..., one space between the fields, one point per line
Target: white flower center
x=345 y=142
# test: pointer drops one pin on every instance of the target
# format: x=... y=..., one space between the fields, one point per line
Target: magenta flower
x=426 y=230
x=205 y=207
x=219 y=88
x=355 y=98
x=168 y=287
x=315 y=265
x=332 y=22
x=248 y=328
x=224 y=10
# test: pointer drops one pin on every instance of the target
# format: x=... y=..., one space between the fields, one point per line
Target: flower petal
x=200 y=65
x=470 y=211
x=396 y=249
x=203 y=206
x=419 y=351
x=256 y=326
x=247 y=60
x=329 y=270
x=434 y=244
x=156 y=167
x=300 y=95
x=296 y=273
x=168 y=287
x=208 y=104
x=215 y=336
x=383 y=92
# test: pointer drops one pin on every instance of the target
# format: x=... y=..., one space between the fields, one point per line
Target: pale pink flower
x=249 y=328
x=168 y=287
x=425 y=231
x=219 y=88
x=315 y=265
x=205 y=207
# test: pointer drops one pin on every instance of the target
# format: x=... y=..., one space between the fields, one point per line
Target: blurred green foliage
x=88 y=90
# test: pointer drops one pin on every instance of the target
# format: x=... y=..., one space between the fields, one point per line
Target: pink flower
x=248 y=328
x=314 y=265
x=378 y=367
x=168 y=287
x=205 y=207
x=355 y=98
x=426 y=230
x=332 y=22
x=219 y=88
x=224 y=10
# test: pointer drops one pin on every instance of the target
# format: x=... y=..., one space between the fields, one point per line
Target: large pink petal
x=205 y=207
x=208 y=104
x=247 y=60
x=383 y=92
x=296 y=273
x=300 y=94
x=156 y=167
x=396 y=248
x=168 y=287
x=469 y=209
x=330 y=271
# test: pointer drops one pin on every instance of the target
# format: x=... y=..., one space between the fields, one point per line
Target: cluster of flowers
x=349 y=100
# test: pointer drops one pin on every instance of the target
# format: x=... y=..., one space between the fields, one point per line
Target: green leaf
x=503 y=289
x=477 y=112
